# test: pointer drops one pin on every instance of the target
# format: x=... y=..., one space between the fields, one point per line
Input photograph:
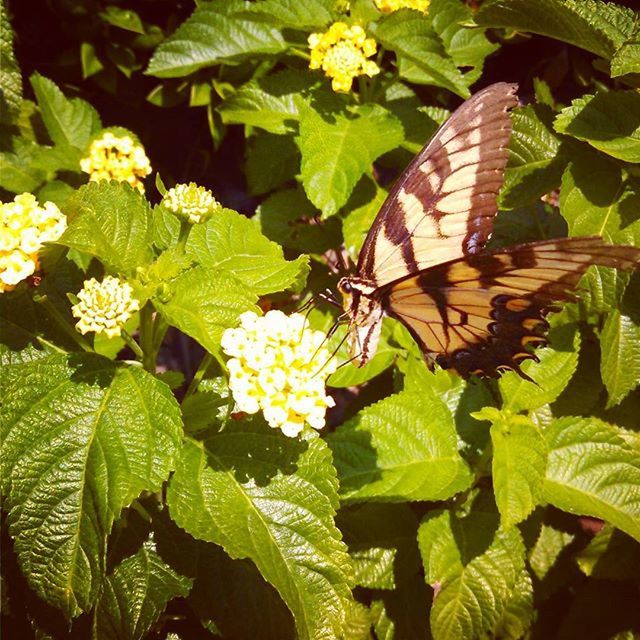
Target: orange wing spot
x=531 y=324
x=517 y=304
x=522 y=355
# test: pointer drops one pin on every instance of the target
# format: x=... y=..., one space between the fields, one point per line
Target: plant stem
x=198 y=375
x=158 y=332
x=135 y=347
x=61 y=321
x=299 y=53
x=185 y=230
x=146 y=338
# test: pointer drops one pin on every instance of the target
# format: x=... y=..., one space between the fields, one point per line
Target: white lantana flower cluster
x=192 y=202
x=279 y=367
x=113 y=157
x=24 y=227
x=104 y=307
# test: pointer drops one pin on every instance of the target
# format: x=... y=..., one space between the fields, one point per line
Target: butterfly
x=423 y=261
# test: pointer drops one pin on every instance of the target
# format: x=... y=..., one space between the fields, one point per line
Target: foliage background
x=465 y=509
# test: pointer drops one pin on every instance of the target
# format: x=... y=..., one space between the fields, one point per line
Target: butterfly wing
x=479 y=314
x=442 y=207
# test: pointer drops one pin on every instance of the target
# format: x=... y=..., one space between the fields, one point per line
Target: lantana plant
x=187 y=450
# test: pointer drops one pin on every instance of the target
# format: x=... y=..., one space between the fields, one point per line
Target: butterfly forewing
x=443 y=205
x=480 y=313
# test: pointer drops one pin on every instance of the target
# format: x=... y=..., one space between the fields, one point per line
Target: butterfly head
x=365 y=316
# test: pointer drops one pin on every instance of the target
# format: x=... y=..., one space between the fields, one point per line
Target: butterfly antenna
x=340 y=320
x=331 y=331
x=327 y=296
x=310 y=303
x=349 y=360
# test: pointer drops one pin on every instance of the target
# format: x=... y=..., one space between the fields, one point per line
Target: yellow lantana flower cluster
x=190 y=201
x=342 y=52
x=280 y=368
x=104 y=307
x=114 y=157
x=394 y=5
x=24 y=227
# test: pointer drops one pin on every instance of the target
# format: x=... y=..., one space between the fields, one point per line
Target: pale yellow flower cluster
x=114 y=157
x=342 y=52
x=190 y=201
x=104 y=307
x=280 y=367
x=394 y=5
x=24 y=227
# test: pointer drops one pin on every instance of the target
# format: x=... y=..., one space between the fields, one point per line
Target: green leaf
x=468 y=47
x=419 y=122
x=268 y=102
x=222 y=586
x=123 y=19
x=473 y=567
x=519 y=613
x=294 y=14
x=203 y=302
x=546 y=551
x=338 y=149
x=620 y=362
x=70 y=123
x=536 y=158
x=519 y=461
x=272 y=499
x=609 y=122
x=626 y=60
x=135 y=595
x=111 y=221
x=234 y=243
x=596 y=26
x=592 y=471
x=17 y=171
x=540 y=221
x=10 y=77
x=557 y=365
x=382 y=543
x=401 y=448
x=271 y=161
x=217 y=32
x=414 y=40
x=90 y=60
x=362 y=209
x=82 y=437
x=288 y=218
x=596 y=201
x=610 y=555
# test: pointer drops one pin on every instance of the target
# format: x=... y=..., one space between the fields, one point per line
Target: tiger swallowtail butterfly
x=423 y=262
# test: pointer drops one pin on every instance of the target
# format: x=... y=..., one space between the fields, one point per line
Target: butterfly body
x=423 y=261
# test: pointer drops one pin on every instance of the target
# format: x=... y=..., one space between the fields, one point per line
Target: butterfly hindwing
x=442 y=207
x=480 y=314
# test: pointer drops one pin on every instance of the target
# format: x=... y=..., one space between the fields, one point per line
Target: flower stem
x=61 y=321
x=198 y=375
x=135 y=347
x=185 y=230
x=146 y=338
x=301 y=54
